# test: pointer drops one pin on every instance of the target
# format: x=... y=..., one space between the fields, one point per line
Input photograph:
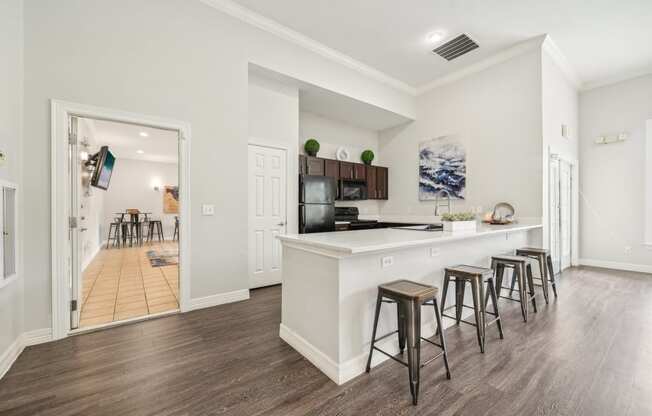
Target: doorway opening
x=561 y=213
x=126 y=246
x=120 y=214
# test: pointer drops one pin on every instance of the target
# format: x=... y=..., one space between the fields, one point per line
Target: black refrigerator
x=316 y=204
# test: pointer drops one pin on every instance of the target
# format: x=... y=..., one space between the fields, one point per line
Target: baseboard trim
x=26 y=339
x=219 y=299
x=348 y=370
x=311 y=353
x=630 y=267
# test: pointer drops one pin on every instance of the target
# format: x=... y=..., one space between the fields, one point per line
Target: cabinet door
x=332 y=168
x=382 y=183
x=372 y=184
x=315 y=166
x=346 y=170
x=359 y=172
x=303 y=167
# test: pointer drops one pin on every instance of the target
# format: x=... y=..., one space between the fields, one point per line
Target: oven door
x=353 y=190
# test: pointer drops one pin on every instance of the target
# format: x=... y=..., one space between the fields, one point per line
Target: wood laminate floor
x=120 y=283
x=587 y=353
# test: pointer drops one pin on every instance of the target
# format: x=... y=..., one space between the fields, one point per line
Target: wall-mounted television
x=104 y=162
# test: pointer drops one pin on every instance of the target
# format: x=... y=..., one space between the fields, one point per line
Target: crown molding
x=614 y=79
x=561 y=61
x=502 y=56
x=250 y=17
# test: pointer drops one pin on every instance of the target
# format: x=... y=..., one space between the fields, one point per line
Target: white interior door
x=555 y=226
x=565 y=213
x=267 y=213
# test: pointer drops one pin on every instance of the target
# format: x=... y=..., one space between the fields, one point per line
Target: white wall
x=274 y=121
x=11 y=86
x=560 y=105
x=194 y=70
x=496 y=114
x=132 y=186
x=332 y=134
x=612 y=211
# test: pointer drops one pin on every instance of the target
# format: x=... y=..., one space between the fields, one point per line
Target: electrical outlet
x=387 y=261
x=628 y=249
x=434 y=251
x=207 y=209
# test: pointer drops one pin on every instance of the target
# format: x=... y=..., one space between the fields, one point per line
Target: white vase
x=459 y=226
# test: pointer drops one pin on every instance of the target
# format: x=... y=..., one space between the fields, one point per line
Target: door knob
x=280 y=224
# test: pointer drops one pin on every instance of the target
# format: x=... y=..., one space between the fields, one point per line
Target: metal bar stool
x=477 y=277
x=114 y=233
x=175 y=236
x=522 y=272
x=542 y=256
x=155 y=226
x=409 y=298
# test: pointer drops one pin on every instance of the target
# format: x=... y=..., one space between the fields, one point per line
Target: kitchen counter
x=386 y=239
x=330 y=283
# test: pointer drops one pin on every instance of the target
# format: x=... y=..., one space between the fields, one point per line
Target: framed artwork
x=442 y=168
x=171 y=199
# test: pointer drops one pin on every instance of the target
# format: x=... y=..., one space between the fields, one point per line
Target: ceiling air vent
x=456 y=47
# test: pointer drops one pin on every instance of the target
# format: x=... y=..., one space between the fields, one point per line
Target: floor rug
x=160 y=258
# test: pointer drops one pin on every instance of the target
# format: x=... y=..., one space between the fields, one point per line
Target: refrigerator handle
x=302 y=214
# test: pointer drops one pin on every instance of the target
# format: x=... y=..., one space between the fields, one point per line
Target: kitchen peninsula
x=330 y=284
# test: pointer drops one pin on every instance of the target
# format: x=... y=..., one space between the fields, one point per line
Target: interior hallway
x=120 y=283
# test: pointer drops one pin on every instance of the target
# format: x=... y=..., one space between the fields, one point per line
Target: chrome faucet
x=446 y=203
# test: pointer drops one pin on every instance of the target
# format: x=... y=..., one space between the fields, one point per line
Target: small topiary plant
x=367 y=157
x=460 y=216
x=311 y=147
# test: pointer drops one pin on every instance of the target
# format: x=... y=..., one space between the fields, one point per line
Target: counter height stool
x=409 y=298
x=477 y=277
x=523 y=275
x=542 y=256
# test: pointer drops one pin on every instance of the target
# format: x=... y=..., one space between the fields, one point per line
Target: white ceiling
x=602 y=39
x=124 y=141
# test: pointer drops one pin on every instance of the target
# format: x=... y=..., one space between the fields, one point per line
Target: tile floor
x=120 y=284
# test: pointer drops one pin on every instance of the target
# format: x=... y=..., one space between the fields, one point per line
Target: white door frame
x=575 y=203
x=60 y=193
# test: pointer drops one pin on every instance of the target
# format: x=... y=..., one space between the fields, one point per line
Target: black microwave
x=351 y=190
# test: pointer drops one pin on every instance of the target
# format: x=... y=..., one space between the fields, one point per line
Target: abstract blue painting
x=442 y=167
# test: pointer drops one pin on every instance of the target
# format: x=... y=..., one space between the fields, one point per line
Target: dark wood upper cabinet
x=347 y=170
x=372 y=191
x=315 y=166
x=359 y=172
x=382 y=183
x=332 y=168
x=303 y=165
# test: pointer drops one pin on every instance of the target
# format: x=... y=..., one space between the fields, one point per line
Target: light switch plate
x=434 y=251
x=207 y=209
x=387 y=261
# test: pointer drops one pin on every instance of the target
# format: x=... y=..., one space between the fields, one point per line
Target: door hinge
x=73 y=305
x=72 y=222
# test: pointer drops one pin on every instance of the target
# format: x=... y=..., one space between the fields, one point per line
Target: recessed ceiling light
x=144 y=134
x=435 y=37
x=140 y=152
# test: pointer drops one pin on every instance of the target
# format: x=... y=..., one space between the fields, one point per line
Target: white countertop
x=377 y=240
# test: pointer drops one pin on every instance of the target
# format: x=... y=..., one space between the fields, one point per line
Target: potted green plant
x=311 y=147
x=367 y=157
x=461 y=221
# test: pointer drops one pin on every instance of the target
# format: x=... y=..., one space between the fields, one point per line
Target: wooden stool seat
x=543 y=257
x=477 y=277
x=507 y=258
x=409 y=297
x=409 y=290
